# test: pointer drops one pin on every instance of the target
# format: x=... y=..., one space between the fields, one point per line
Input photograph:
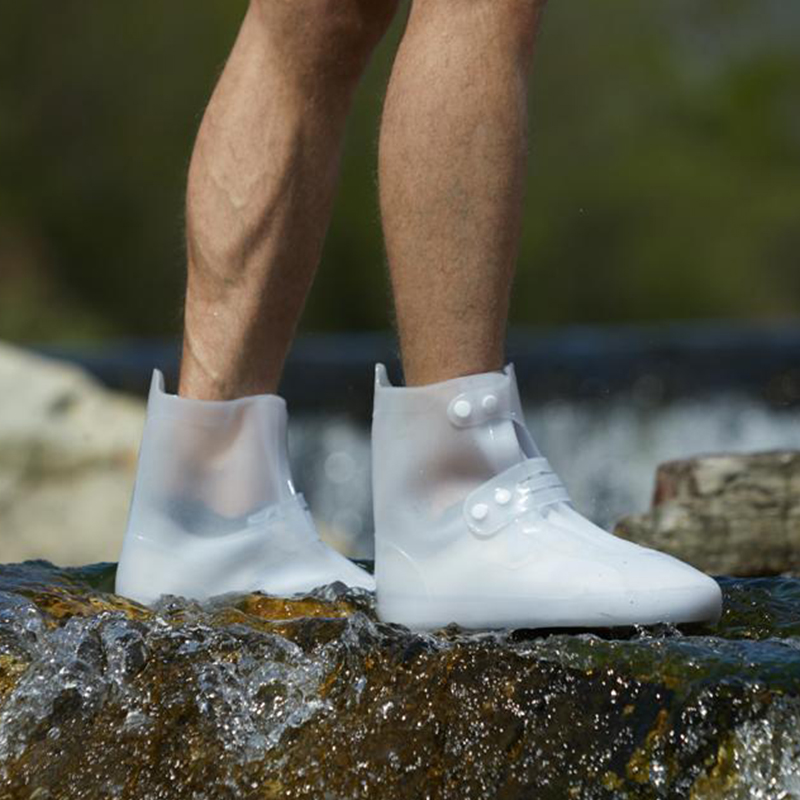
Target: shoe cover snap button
x=502 y=496
x=462 y=409
x=479 y=511
x=490 y=403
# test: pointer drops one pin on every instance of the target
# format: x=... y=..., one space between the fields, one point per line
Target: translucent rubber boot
x=472 y=525
x=214 y=509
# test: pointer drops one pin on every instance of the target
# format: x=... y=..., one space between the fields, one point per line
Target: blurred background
x=655 y=311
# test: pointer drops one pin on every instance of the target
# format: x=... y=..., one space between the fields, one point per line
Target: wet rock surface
x=260 y=697
x=726 y=514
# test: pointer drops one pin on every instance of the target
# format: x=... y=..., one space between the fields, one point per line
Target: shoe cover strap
x=478 y=406
x=487 y=405
x=528 y=486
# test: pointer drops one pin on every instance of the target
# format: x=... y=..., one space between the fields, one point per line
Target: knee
x=330 y=37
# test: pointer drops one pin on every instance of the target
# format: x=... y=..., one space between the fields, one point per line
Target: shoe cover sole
x=672 y=606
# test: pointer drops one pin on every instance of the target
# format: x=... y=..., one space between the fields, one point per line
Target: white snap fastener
x=490 y=403
x=479 y=511
x=462 y=409
x=502 y=496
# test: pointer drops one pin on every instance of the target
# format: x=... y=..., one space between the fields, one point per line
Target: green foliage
x=664 y=178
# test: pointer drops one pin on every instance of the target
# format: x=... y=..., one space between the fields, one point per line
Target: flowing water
x=257 y=697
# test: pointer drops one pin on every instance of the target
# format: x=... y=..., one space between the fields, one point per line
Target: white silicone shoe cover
x=214 y=509
x=472 y=525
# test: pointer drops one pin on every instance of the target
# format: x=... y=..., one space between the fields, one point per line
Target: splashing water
x=258 y=697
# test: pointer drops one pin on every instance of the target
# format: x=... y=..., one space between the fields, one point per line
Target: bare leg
x=451 y=166
x=261 y=184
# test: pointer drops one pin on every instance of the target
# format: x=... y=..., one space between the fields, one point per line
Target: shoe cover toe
x=666 y=589
x=353 y=575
